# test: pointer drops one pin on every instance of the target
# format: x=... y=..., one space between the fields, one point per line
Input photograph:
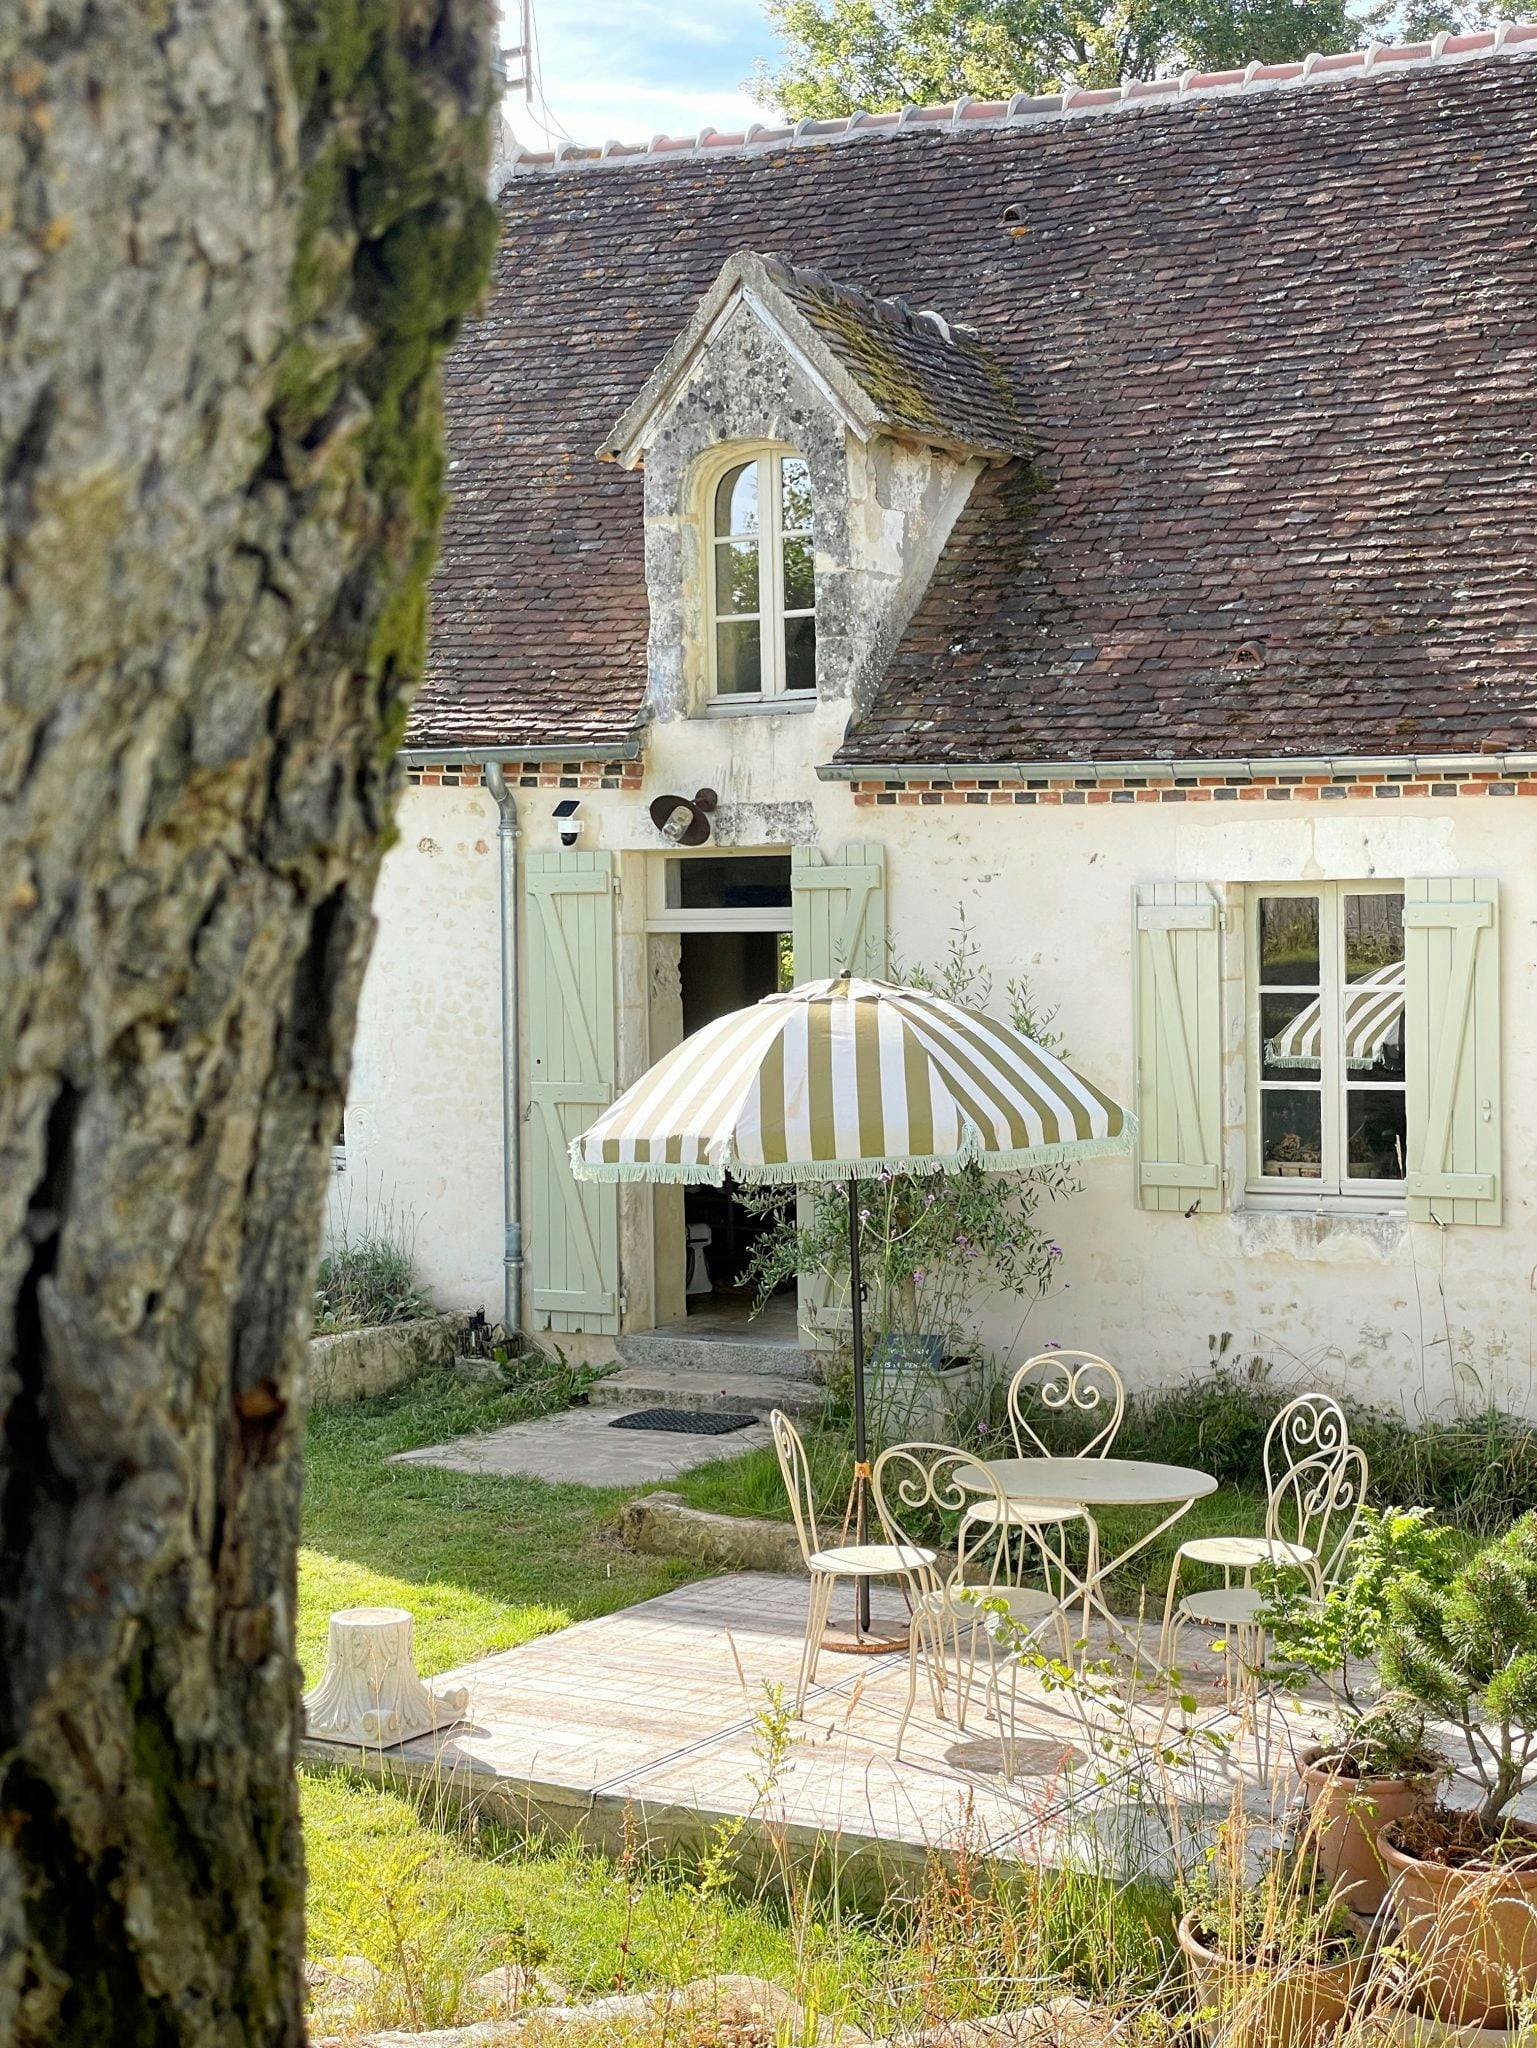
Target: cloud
x=631 y=69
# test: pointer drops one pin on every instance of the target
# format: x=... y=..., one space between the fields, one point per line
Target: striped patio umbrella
x=840 y=1080
x=837 y=1080
x=1374 y=1020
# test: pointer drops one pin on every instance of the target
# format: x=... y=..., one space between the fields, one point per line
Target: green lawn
x=482 y=1562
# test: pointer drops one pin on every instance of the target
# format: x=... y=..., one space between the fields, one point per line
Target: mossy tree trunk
x=236 y=236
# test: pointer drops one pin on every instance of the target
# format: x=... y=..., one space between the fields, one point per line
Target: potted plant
x=1466 y=1879
x=1376 y=1765
x=1277 y=1963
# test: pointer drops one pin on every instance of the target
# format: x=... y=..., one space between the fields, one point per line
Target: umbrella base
x=856 y=1642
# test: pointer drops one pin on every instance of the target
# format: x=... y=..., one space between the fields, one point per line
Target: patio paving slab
x=579 y=1445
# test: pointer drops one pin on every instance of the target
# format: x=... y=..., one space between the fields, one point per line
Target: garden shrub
x=369 y=1278
x=1476 y=1467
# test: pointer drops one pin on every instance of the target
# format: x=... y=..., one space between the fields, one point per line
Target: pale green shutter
x=1452 y=1049
x=839 y=912
x=1177 y=965
x=573 y=1243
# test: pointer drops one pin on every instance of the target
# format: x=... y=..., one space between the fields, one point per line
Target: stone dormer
x=894 y=413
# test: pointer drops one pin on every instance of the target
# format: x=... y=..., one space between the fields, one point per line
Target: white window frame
x=662 y=916
x=771 y=618
x=1333 y=1193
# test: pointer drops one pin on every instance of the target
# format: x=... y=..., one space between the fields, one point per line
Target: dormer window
x=763 y=640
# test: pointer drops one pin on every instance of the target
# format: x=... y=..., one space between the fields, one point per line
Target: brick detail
x=530 y=774
x=1209 y=789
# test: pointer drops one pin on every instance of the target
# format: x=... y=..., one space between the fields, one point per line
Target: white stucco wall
x=1393 y=1312
x=424 y=1108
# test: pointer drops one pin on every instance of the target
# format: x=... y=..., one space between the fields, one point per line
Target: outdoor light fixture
x=567 y=823
x=682 y=819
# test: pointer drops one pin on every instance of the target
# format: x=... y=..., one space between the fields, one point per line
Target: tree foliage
x=842 y=55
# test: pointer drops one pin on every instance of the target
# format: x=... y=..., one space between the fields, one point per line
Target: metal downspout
x=512 y=1123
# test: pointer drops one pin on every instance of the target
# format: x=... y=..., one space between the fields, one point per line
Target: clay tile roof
x=931 y=379
x=1272 y=340
x=890 y=368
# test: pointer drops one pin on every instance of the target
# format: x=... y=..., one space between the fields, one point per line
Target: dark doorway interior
x=721 y=971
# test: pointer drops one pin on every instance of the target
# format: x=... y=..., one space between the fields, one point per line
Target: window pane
x=1374 y=934
x=1288 y=940
x=737 y=663
x=736 y=500
x=736 y=576
x=795 y=495
x=1374 y=997
x=1374 y=1133
x=761 y=881
x=1291 y=1133
x=800 y=580
x=1291 y=1037
x=800 y=654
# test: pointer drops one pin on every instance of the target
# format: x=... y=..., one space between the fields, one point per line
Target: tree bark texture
x=235 y=237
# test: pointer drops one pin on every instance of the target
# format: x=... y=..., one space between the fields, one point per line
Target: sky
x=631 y=69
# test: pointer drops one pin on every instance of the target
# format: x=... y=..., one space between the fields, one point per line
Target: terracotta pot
x=1471 y=1935
x=1271 y=2006
x=1348 y=1816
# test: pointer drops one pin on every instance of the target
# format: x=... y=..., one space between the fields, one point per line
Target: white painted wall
x=424 y=1108
x=1392 y=1311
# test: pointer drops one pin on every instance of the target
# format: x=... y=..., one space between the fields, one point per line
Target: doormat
x=681 y=1422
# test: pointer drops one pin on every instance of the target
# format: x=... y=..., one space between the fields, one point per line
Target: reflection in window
x=1329 y=995
x=763 y=579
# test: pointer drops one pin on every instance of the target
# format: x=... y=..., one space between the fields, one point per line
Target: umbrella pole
x=861 y=1433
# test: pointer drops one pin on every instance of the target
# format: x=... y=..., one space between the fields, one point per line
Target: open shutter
x=839 y=911
x=1178 y=998
x=574 y=1226
x=1452 y=1049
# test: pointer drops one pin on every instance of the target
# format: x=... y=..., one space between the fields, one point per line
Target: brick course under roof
x=1275 y=353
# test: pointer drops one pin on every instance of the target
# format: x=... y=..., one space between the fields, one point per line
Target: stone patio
x=646 y=1727
x=581 y=1445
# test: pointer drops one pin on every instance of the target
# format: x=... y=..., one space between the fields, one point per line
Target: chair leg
x=1168 y=1634
x=914 y=1641
x=808 y=1647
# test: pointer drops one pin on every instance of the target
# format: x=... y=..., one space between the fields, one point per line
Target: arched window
x=763 y=629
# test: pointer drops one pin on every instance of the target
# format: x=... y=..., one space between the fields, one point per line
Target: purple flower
x=1053 y=1251
x=919 y=1274
x=864 y=1215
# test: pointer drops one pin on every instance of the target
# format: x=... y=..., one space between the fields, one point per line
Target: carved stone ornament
x=370 y=1693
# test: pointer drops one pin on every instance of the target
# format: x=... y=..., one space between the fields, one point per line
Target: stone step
x=749 y=1393
x=675 y=1351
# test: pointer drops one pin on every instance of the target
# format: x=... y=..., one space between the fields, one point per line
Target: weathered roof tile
x=1273 y=348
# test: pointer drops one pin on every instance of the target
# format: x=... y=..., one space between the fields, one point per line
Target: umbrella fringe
x=804 y=1172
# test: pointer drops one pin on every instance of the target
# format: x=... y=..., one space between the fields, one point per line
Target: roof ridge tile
x=966 y=115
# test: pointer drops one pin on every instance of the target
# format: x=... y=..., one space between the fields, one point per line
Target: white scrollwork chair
x=1309 y=1428
x=923 y=1490
x=1056 y=1383
x=1310 y=1521
x=828 y=1563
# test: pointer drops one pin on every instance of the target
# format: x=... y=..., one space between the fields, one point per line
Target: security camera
x=567 y=823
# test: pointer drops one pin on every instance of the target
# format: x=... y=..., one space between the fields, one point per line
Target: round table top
x=1099 y=1482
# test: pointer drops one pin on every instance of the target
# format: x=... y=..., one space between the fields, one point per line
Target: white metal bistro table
x=1090 y=1483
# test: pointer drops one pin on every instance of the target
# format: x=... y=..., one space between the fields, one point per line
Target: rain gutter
x=512 y=1125
x=1344 y=768
x=626 y=749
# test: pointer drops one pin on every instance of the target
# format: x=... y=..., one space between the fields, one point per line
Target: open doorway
x=720 y=941
x=719 y=972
